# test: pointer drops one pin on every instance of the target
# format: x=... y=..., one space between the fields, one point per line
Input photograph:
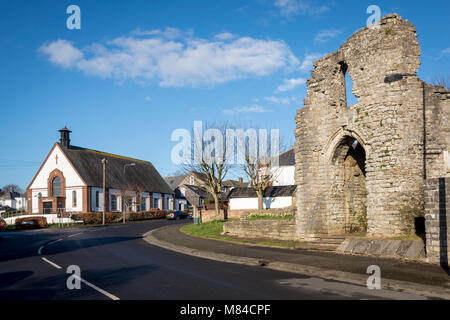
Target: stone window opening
x=350 y=98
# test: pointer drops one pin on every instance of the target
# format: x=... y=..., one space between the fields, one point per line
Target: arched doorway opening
x=349 y=211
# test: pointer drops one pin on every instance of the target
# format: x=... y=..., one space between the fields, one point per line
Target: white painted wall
x=19 y=203
x=35 y=199
x=69 y=199
x=72 y=178
x=51 y=219
x=284 y=176
x=73 y=181
x=252 y=203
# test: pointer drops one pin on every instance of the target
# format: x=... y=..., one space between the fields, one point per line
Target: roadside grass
x=213 y=230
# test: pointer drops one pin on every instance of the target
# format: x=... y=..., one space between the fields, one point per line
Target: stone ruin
x=363 y=167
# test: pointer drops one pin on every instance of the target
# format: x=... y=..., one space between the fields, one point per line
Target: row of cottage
x=71 y=180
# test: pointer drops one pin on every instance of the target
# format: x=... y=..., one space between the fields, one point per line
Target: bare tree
x=13 y=187
x=209 y=159
x=442 y=81
x=261 y=170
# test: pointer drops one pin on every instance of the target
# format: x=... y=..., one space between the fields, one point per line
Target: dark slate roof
x=202 y=193
x=287 y=158
x=175 y=181
x=234 y=184
x=142 y=177
x=278 y=191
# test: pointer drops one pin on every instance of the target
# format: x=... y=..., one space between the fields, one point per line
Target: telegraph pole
x=104 y=162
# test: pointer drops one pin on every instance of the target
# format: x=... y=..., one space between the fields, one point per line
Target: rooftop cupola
x=65 y=137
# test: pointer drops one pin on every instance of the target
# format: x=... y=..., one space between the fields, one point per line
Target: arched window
x=74 y=199
x=56 y=186
x=97 y=199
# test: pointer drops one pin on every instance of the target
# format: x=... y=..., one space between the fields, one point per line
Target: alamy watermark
x=374 y=281
x=74 y=280
x=225 y=145
x=74 y=20
x=373 y=22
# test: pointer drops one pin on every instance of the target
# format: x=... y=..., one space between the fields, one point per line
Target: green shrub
x=113 y=217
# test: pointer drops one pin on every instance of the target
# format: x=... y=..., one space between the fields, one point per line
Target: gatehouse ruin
x=364 y=167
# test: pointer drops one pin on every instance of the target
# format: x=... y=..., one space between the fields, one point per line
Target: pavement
x=414 y=277
x=116 y=262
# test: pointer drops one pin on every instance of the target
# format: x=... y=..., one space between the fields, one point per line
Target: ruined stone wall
x=388 y=123
x=437 y=128
x=437 y=220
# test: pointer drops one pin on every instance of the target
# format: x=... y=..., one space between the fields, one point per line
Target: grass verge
x=213 y=230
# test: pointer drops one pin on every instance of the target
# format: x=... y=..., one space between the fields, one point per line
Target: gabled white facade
x=57 y=160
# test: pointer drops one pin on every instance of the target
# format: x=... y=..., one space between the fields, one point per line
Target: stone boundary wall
x=264 y=229
x=437 y=220
x=210 y=215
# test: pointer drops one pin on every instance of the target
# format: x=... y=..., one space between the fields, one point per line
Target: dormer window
x=192 y=181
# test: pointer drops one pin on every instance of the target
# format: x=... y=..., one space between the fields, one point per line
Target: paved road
x=116 y=263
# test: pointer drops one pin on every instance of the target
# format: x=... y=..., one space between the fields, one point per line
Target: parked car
x=176 y=215
x=2 y=225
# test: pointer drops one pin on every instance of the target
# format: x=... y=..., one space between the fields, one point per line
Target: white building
x=71 y=179
x=279 y=195
x=14 y=200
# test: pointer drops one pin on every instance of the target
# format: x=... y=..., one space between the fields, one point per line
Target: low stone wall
x=210 y=215
x=410 y=249
x=437 y=220
x=264 y=229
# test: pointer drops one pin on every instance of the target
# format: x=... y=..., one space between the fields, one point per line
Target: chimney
x=241 y=180
x=65 y=137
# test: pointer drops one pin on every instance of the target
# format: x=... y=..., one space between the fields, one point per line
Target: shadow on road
x=54 y=287
x=73 y=245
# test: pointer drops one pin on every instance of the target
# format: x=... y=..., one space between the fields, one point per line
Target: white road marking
x=93 y=286
x=53 y=242
x=53 y=264
x=76 y=234
x=48 y=244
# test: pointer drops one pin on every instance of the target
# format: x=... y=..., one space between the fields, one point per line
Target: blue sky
x=137 y=70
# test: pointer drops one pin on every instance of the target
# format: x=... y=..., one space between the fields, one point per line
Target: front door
x=48 y=206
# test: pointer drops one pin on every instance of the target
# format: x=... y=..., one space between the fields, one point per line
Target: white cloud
x=446 y=51
x=148 y=99
x=168 y=32
x=224 y=36
x=250 y=109
x=282 y=100
x=154 y=56
x=290 y=8
x=62 y=53
x=307 y=64
x=290 y=84
x=326 y=35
